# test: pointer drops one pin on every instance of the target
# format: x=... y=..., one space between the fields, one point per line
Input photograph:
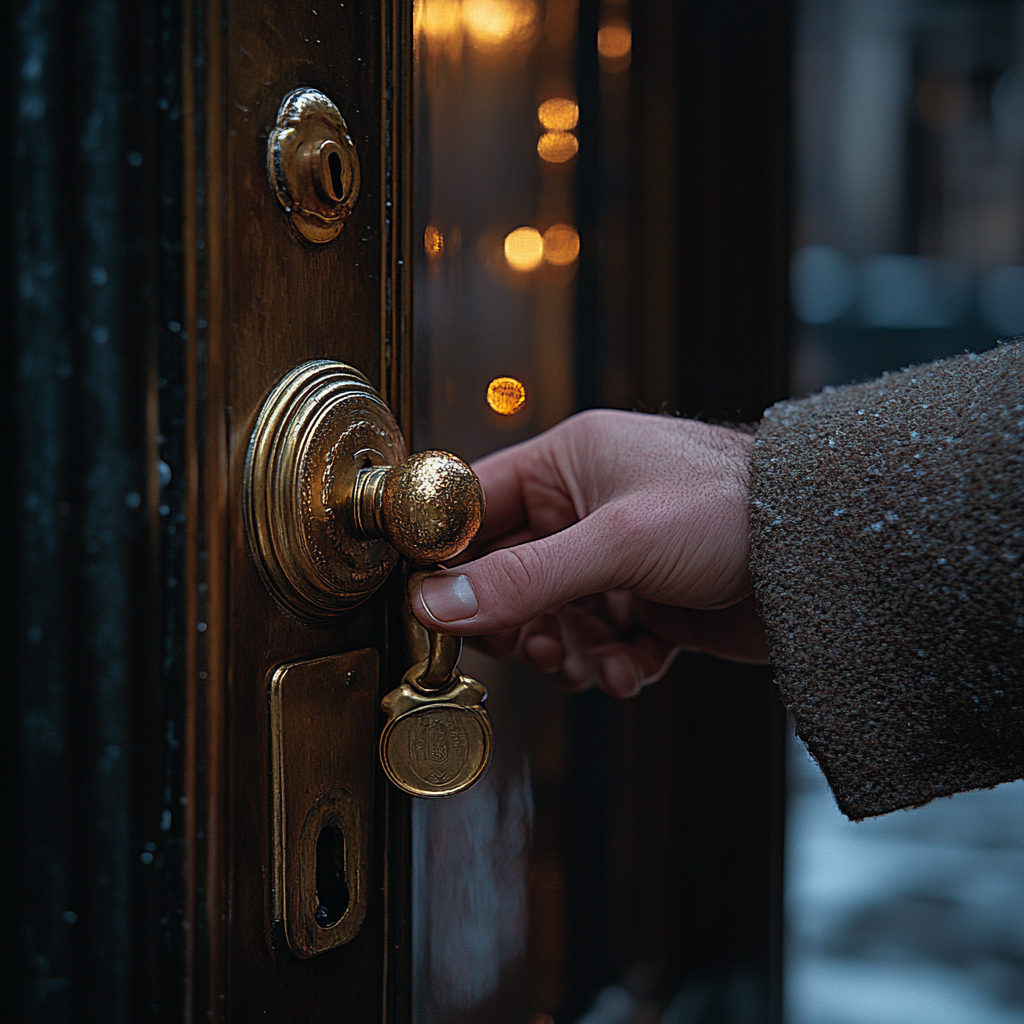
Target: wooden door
x=262 y=299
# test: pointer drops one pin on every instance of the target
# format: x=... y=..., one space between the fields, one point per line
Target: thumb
x=510 y=587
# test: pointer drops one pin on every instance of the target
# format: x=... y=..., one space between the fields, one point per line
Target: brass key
x=437 y=740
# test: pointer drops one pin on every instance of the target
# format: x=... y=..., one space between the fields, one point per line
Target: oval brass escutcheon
x=320 y=426
x=313 y=165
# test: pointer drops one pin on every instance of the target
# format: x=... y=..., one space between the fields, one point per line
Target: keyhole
x=332 y=893
x=334 y=166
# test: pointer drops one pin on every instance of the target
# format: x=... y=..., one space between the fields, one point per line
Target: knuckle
x=516 y=572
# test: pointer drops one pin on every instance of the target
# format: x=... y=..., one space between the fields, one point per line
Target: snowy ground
x=913 y=917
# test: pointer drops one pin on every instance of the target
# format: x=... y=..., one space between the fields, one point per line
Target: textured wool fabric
x=887 y=528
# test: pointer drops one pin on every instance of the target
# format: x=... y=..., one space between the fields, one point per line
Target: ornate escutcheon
x=313 y=165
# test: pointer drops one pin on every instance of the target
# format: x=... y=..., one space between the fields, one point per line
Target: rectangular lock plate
x=323 y=742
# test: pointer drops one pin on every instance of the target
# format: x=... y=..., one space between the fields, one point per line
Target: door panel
x=264 y=301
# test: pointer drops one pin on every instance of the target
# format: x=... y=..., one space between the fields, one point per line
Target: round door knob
x=330 y=501
x=428 y=508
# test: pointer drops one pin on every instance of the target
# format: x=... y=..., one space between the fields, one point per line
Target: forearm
x=887 y=526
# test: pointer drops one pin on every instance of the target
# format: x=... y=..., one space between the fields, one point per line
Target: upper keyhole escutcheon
x=313 y=165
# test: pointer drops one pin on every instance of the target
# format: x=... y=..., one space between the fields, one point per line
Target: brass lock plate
x=323 y=749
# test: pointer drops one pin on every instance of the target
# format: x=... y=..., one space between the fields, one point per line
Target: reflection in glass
x=524 y=249
x=557 y=147
x=433 y=242
x=614 y=40
x=558 y=114
x=495 y=22
x=506 y=395
x=561 y=245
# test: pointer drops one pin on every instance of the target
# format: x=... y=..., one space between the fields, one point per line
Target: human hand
x=611 y=542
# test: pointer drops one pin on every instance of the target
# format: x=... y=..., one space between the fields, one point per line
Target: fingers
x=585 y=648
x=513 y=586
x=734 y=633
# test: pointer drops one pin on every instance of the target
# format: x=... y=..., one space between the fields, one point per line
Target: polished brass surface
x=429 y=508
x=313 y=164
x=322 y=738
x=437 y=740
x=434 y=656
x=436 y=745
x=320 y=426
x=329 y=503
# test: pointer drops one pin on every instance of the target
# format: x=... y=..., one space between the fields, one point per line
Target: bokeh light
x=557 y=147
x=524 y=249
x=559 y=114
x=561 y=245
x=495 y=22
x=614 y=40
x=506 y=395
x=433 y=242
x=438 y=19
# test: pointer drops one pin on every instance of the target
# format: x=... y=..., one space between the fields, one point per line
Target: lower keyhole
x=332 y=894
x=334 y=166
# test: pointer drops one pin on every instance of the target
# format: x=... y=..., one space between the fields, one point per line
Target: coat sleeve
x=887 y=528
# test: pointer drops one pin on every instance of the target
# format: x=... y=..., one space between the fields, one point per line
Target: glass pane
x=497 y=137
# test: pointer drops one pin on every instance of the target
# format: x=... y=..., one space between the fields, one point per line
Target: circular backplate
x=319 y=426
x=436 y=750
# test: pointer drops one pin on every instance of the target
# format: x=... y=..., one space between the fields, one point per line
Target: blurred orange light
x=559 y=114
x=561 y=245
x=557 y=147
x=506 y=395
x=433 y=242
x=524 y=249
x=438 y=19
x=614 y=40
x=493 y=22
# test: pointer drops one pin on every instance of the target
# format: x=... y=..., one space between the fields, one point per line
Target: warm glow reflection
x=493 y=22
x=524 y=249
x=558 y=114
x=433 y=242
x=561 y=245
x=614 y=40
x=557 y=147
x=438 y=19
x=506 y=395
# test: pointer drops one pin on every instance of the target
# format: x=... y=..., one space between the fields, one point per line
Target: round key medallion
x=436 y=749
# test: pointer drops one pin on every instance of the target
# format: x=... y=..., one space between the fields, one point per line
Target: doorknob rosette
x=330 y=500
x=320 y=425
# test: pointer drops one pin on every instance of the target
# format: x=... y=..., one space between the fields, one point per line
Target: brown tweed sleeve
x=887 y=528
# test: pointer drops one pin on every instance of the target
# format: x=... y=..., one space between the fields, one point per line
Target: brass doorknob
x=331 y=501
x=428 y=508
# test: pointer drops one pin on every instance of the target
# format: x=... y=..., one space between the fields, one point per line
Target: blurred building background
x=909 y=183
x=909 y=246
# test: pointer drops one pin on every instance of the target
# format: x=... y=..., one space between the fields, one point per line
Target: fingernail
x=448 y=598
